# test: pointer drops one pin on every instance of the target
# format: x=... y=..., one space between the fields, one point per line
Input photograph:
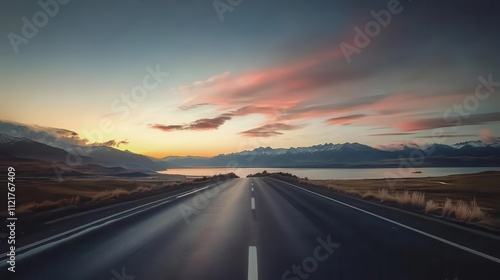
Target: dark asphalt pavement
x=259 y=228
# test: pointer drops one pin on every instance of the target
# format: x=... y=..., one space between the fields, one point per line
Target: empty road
x=258 y=228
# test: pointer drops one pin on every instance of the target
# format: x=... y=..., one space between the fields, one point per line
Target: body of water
x=335 y=173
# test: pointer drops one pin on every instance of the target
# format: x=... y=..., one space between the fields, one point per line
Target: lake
x=335 y=173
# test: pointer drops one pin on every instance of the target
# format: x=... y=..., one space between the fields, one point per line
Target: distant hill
x=41 y=168
x=108 y=156
x=354 y=155
x=24 y=148
x=19 y=141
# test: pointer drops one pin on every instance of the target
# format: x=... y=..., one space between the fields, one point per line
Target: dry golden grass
x=469 y=212
x=431 y=206
x=383 y=195
x=447 y=207
x=27 y=207
x=368 y=195
x=446 y=195
x=34 y=195
x=415 y=199
x=406 y=198
x=108 y=194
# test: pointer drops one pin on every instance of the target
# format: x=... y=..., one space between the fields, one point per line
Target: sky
x=209 y=77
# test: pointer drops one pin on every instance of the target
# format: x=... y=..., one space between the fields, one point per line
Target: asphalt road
x=258 y=228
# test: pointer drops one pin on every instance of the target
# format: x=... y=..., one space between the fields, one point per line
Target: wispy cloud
x=392 y=134
x=448 y=135
x=56 y=137
x=344 y=120
x=200 y=124
x=308 y=88
x=112 y=143
x=270 y=130
x=285 y=85
x=431 y=123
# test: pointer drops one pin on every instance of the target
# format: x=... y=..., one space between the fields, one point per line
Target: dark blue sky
x=268 y=70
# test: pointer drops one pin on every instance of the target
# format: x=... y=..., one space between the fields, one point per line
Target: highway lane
x=369 y=247
x=264 y=227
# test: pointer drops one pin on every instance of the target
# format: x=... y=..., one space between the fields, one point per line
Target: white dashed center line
x=253 y=203
x=253 y=272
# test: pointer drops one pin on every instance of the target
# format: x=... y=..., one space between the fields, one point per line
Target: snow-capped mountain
x=7 y=139
x=400 y=146
x=299 y=150
x=469 y=153
x=477 y=144
x=353 y=155
x=263 y=151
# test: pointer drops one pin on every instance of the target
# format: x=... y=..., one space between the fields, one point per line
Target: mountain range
x=352 y=155
x=23 y=148
x=472 y=153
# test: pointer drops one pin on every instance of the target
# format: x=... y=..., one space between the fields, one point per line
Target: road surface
x=258 y=228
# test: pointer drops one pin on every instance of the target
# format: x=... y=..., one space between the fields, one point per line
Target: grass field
x=38 y=188
x=465 y=197
x=44 y=193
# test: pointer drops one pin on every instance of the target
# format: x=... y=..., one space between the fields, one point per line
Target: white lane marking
x=252 y=188
x=118 y=205
x=251 y=184
x=91 y=225
x=456 y=245
x=73 y=234
x=253 y=271
x=253 y=203
x=195 y=191
x=87 y=212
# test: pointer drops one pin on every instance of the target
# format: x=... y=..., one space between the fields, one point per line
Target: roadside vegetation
x=460 y=210
x=230 y=175
x=277 y=175
x=96 y=196
x=42 y=195
x=468 y=198
x=456 y=197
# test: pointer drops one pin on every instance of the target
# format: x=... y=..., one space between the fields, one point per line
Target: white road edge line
x=91 y=225
x=253 y=203
x=253 y=271
x=116 y=205
x=467 y=249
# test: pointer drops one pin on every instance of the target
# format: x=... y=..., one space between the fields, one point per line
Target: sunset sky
x=262 y=73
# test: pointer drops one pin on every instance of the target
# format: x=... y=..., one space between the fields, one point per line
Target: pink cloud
x=344 y=120
x=286 y=85
x=298 y=90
